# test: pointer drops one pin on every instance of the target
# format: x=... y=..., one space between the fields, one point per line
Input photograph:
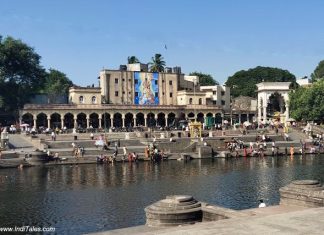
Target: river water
x=90 y=198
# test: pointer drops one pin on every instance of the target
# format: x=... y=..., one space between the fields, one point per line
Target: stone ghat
x=201 y=218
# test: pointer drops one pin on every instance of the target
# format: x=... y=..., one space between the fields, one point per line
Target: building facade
x=132 y=96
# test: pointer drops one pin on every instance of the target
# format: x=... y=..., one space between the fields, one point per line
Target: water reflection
x=89 y=198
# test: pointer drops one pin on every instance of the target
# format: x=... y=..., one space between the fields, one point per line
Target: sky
x=218 y=37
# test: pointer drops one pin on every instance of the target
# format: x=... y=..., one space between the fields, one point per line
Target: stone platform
x=289 y=221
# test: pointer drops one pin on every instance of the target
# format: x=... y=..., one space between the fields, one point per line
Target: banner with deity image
x=146 y=88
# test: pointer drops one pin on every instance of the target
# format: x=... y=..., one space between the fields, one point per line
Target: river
x=89 y=198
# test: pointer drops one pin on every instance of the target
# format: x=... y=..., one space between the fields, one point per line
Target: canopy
x=291 y=120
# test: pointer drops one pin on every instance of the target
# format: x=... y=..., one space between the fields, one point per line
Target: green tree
x=157 y=64
x=244 y=82
x=306 y=103
x=204 y=79
x=318 y=72
x=20 y=73
x=56 y=83
x=132 y=60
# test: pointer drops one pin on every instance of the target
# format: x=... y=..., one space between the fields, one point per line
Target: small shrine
x=195 y=129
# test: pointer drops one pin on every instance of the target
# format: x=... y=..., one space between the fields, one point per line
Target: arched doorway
x=69 y=120
x=41 y=120
x=94 y=120
x=56 y=120
x=200 y=117
x=191 y=115
x=161 y=120
x=276 y=105
x=171 y=120
x=209 y=120
x=105 y=121
x=27 y=118
x=129 y=120
x=82 y=120
x=151 y=122
x=140 y=120
x=118 y=121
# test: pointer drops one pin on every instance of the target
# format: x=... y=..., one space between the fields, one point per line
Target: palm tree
x=157 y=64
x=132 y=60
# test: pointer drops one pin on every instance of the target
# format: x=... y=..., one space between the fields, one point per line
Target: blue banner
x=146 y=88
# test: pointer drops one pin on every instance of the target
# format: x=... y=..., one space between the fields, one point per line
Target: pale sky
x=219 y=37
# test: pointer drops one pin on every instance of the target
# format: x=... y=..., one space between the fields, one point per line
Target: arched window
x=200 y=101
x=190 y=101
x=94 y=99
x=81 y=99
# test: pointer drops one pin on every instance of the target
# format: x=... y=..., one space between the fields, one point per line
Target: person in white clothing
x=262 y=204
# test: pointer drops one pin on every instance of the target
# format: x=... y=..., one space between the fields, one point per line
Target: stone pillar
x=259 y=112
x=99 y=120
x=248 y=116
x=287 y=111
x=88 y=122
x=166 y=121
x=62 y=123
x=75 y=122
x=49 y=123
x=264 y=113
x=240 y=118
x=20 y=121
x=156 y=119
x=145 y=120
x=34 y=119
x=123 y=121
x=222 y=116
x=134 y=119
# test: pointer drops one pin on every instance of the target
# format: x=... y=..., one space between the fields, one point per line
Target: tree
x=157 y=64
x=318 y=72
x=244 y=82
x=132 y=60
x=204 y=79
x=56 y=83
x=306 y=103
x=20 y=71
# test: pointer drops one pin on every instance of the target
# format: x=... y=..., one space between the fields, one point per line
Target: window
x=136 y=81
x=214 y=102
x=170 y=94
x=129 y=92
x=170 y=82
x=190 y=101
x=223 y=92
x=223 y=102
x=116 y=80
x=156 y=94
x=136 y=94
x=123 y=92
x=81 y=99
x=116 y=93
x=214 y=92
x=163 y=81
x=123 y=79
x=156 y=82
x=129 y=80
x=93 y=99
x=162 y=93
x=200 y=101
